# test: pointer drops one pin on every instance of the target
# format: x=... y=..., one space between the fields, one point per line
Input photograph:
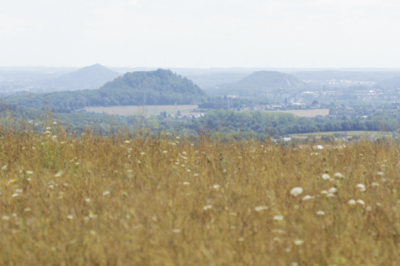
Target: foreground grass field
x=165 y=201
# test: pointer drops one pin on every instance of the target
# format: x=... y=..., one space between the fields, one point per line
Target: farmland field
x=147 y=111
x=130 y=199
x=306 y=113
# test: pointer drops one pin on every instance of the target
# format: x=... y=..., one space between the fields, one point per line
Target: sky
x=201 y=33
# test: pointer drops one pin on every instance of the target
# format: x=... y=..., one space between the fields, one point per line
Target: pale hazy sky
x=204 y=33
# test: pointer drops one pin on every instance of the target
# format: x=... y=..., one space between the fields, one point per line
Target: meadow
x=136 y=199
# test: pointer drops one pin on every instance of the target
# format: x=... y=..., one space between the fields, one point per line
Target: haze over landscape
x=199 y=132
x=190 y=34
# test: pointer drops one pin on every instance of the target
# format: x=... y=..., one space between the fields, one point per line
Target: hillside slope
x=135 y=88
x=261 y=82
x=208 y=81
x=91 y=77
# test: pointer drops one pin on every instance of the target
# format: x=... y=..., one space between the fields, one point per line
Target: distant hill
x=261 y=82
x=91 y=77
x=207 y=81
x=390 y=83
x=135 y=88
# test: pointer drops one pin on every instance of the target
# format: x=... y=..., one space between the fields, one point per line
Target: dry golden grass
x=164 y=201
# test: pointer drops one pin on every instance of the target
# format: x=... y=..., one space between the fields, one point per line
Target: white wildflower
x=216 y=186
x=261 y=208
x=338 y=175
x=106 y=193
x=70 y=217
x=186 y=183
x=307 y=197
x=380 y=173
x=278 y=217
x=59 y=173
x=298 y=242
x=176 y=230
x=29 y=172
x=330 y=195
x=296 y=191
x=375 y=184
x=325 y=177
x=127 y=141
x=15 y=195
x=361 y=202
x=4 y=168
x=361 y=187
x=27 y=209
x=332 y=190
x=207 y=207
x=324 y=192
x=320 y=213
x=5 y=217
x=165 y=151
x=352 y=202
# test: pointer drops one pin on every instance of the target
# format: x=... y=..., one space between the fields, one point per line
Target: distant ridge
x=270 y=80
x=261 y=82
x=91 y=77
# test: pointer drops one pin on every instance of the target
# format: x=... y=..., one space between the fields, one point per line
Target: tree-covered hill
x=91 y=77
x=153 y=87
x=261 y=82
